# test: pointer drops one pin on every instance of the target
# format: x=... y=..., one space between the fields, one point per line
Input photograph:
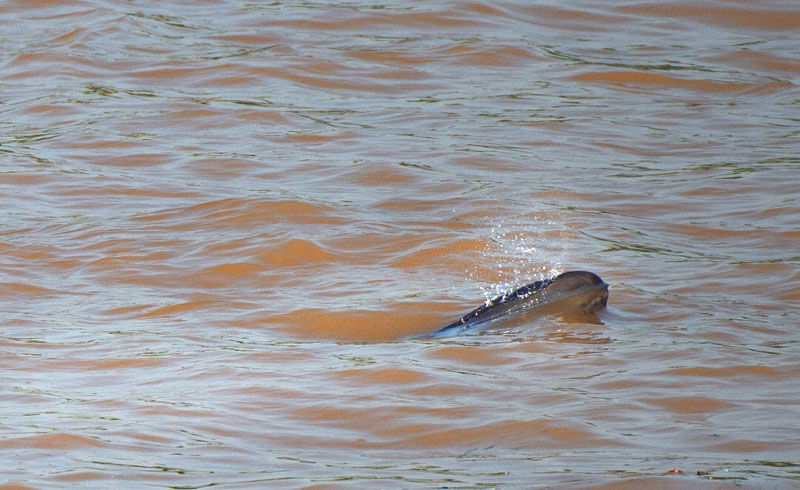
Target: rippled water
x=221 y=221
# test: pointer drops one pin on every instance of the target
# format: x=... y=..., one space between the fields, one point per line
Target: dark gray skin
x=570 y=292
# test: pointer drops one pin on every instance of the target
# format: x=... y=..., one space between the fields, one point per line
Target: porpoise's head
x=585 y=289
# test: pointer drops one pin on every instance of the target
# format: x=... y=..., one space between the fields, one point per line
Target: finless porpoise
x=570 y=292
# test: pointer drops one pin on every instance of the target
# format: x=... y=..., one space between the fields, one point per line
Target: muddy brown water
x=221 y=221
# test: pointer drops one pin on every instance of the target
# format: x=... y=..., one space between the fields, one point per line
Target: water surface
x=220 y=222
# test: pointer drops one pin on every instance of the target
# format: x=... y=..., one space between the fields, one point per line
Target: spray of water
x=512 y=248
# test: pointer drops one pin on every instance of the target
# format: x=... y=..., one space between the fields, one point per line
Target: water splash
x=517 y=257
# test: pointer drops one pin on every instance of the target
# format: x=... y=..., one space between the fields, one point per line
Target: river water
x=220 y=223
